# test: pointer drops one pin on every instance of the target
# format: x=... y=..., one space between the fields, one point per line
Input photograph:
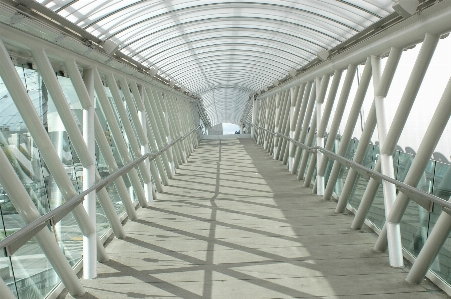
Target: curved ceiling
x=221 y=50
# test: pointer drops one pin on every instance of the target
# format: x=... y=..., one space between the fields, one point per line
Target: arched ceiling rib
x=223 y=51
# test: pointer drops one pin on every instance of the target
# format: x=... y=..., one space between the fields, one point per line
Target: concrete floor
x=235 y=224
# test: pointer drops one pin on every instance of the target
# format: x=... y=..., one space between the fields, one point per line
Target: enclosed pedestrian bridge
x=116 y=180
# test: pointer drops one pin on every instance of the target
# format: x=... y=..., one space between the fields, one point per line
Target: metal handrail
x=13 y=242
x=415 y=194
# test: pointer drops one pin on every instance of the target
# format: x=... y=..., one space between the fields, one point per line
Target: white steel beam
x=411 y=31
x=80 y=89
x=32 y=121
x=89 y=179
x=320 y=95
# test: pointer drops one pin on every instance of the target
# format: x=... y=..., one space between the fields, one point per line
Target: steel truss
x=301 y=103
x=154 y=119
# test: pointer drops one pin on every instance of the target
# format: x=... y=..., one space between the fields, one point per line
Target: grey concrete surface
x=235 y=224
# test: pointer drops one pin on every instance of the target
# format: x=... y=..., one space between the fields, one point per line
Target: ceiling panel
x=223 y=51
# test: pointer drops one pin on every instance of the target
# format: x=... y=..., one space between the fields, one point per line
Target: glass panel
x=6 y=269
x=342 y=175
x=33 y=273
x=113 y=146
x=441 y=188
x=34 y=276
x=376 y=214
x=360 y=183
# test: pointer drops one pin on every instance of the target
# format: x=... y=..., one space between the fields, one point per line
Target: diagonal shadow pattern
x=242 y=227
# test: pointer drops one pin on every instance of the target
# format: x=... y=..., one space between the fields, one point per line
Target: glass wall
x=28 y=273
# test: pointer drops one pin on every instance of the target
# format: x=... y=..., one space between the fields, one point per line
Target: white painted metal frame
x=84 y=146
x=425 y=28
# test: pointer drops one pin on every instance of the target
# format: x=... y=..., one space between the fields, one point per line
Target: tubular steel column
x=296 y=152
x=104 y=147
x=175 y=120
x=394 y=239
x=26 y=109
x=172 y=127
x=339 y=111
x=320 y=95
x=349 y=128
x=294 y=113
x=442 y=227
x=46 y=240
x=276 y=122
x=370 y=125
x=89 y=178
x=118 y=138
x=169 y=129
x=306 y=154
x=393 y=230
x=134 y=145
x=285 y=129
x=5 y=291
x=155 y=99
x=326 y=116
x=157 y=175
x=255 y=110
x=283 y=115
x=402 y=113
x=86 y=159
x=305 y=129
x=265 y=142
x=155 y=123
x=142 y=136
x=372 y=186
x=262 y=121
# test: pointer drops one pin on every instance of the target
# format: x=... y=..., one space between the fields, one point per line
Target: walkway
x=235 y=224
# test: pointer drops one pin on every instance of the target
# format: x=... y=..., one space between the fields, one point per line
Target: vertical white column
x=393 y=229
x=254 y=121
x=89 y=178
x=276 y=124
x=320 y=94
x=145 y=146
x=293 y=96
x=265 y=142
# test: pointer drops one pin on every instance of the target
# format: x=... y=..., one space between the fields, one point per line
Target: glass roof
x=223 y=50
